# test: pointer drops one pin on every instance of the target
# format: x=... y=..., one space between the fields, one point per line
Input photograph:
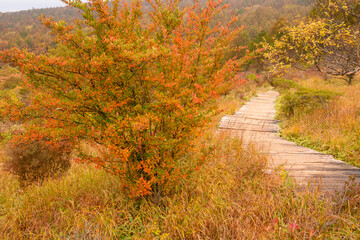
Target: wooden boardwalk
x=254 y=122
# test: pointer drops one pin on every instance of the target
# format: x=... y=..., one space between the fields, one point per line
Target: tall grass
x=230 y=197
x=333 y=128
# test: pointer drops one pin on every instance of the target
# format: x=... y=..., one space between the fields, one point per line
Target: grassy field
x=331 y=128
x=230 y=197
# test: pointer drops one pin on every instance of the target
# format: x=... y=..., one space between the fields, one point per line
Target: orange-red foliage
x=138 y=90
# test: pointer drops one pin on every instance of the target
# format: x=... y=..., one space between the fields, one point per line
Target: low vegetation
x=301 y=100
x=35 y=162
x=230 y=197
x=332 y=125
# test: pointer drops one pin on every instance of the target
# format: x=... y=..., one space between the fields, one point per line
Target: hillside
x=24 y=30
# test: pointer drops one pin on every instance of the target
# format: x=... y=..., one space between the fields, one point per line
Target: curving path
x=254 y=122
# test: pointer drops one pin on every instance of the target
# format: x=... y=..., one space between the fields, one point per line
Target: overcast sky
x=18 y=5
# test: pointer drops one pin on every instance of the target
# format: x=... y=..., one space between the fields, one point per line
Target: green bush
x=302 y=100
x=35 y=162
x=284 y=84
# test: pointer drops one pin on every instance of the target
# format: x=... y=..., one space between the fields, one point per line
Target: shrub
x=303 y=100
x=284 y=84
x=35 y=161
x=140 y=93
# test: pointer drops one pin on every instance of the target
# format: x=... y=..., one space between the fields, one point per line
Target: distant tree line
x=24 y=30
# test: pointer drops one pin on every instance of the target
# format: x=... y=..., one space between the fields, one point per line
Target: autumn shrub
x=33 y=162
x=137 y=86
x=302 y=100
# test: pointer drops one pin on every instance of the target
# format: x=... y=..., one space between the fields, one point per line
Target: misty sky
x=18 y=5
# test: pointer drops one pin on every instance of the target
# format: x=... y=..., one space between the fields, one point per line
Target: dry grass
x=230 y=197
x=333 y=129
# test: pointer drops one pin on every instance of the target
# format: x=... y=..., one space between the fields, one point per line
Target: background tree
x=340 y=11
x=258 y=16
x=138 y=91
x=277 y=29
x=328 y=42
x=27 y=29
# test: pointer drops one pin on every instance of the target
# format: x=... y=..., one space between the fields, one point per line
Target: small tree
x=137 y=87
x=327 y=44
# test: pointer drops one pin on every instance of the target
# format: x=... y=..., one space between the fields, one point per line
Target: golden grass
x=230 y=197
x=335 y=128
